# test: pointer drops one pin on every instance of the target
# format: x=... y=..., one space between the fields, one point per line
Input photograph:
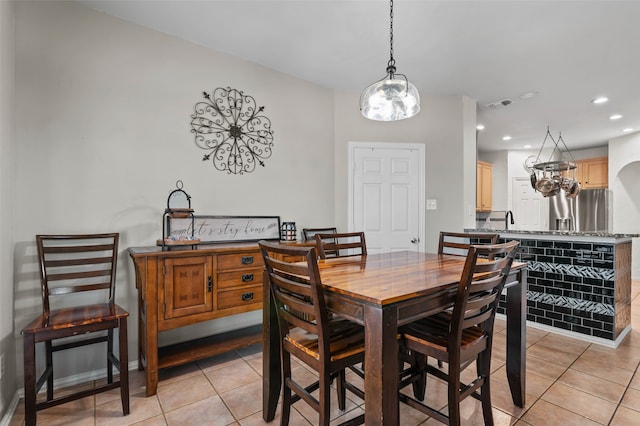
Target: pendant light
x=392 y=98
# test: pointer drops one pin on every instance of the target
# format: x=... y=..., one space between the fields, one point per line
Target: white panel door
x=387 y=197
x=530 y=208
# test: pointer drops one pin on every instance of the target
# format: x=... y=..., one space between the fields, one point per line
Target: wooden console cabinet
x=182 y=287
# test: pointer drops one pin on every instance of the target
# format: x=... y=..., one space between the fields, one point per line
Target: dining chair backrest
x=458 y=243
x=484 y=275
x=309 y=234
x=77 y=264
x=297 y=290
x=341 y=244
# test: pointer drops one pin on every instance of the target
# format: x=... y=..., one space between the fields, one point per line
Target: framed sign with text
x=226 y=229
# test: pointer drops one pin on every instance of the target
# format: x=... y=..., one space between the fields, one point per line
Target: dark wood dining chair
x=463 y=336
x=328 y=346
x=341 y=244
x=70 y=265
x=309 y=234
x=458 y=242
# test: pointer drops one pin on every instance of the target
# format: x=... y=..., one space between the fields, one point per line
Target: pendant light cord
x=391 y=65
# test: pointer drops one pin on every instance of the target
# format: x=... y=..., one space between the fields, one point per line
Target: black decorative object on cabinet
x=178 y=207
x=288 y=231
x=233 y=131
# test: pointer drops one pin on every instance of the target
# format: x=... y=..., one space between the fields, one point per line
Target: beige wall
x=624 y=175
x=102 y=134
x=7 y=136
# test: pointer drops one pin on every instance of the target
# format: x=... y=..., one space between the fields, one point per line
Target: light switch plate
x=432 y=204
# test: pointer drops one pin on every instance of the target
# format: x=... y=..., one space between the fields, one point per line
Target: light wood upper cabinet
x=593 y=172
x=484 y=178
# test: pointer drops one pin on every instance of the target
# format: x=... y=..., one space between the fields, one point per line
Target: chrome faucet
x=506 y=219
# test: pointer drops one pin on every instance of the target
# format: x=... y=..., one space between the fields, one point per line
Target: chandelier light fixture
x=392 y=98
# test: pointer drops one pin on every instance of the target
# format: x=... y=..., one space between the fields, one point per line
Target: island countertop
x=570 y=234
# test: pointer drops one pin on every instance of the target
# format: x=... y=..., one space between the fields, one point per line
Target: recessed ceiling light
x=480 y=127
x=529 y=95
x=615 y=117
x=527 y=146
x=600 y=100
x=628 y=129
x=506 y=138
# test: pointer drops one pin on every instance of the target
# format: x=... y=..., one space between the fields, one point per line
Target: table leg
x=516 y=339
x=271 y=368
x=381 y=366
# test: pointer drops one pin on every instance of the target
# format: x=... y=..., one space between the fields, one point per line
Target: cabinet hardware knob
x=247 y=260
x=247 y=277
x=247 y=296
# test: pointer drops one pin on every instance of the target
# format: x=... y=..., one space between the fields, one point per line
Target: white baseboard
x=6 y=419
x=63 y=382
x=598 y=340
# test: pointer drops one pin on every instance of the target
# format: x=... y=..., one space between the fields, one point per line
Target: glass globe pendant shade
x=390 y=99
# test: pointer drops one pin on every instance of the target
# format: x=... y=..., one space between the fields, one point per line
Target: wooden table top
x=388 y=278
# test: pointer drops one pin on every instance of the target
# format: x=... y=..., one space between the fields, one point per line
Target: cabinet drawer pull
x=247 y=296
x=209 y=284
x=247 y=260
x=247 y=277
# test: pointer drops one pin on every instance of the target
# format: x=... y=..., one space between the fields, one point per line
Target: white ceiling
x=566 y=50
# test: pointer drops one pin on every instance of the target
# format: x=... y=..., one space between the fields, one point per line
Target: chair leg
x=49 y=368
x=324 y=395
x=484 y=362
x=124 y=365
x=109 y=354
x=454 y=395
x=342 y=391
x=286 y=390
x=29 y=348
x=420 y=385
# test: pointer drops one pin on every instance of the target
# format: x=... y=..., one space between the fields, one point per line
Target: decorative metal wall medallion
x=232 y=130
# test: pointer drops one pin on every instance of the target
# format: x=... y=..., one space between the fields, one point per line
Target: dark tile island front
x=579 y=283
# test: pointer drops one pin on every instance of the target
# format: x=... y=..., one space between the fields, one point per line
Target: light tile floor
x=569 y=382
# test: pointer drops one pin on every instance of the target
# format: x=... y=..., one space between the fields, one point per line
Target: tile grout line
x=623 y=395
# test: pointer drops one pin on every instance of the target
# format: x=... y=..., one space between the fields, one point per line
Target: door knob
x=415 y=240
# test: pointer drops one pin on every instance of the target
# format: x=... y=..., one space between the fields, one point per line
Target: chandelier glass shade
x=393 y=97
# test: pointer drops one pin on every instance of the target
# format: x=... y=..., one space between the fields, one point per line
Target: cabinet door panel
x=596 y=174
x=188 y=286
x=484 y=177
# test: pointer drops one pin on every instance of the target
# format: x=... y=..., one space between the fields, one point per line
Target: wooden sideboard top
x=200 y=249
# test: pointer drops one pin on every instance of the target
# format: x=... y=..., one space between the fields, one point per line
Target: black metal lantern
x=178 y=207
x=288 y=231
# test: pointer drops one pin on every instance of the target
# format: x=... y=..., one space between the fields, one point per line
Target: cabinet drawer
x=239 y=297
x=251 y=259
x=239 y=278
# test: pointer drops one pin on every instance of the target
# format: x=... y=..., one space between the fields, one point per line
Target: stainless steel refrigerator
x=589 y=211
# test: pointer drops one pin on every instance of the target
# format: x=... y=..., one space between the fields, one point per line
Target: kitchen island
x=579 y=283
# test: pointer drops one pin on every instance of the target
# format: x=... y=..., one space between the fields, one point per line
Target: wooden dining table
x=383 y=292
